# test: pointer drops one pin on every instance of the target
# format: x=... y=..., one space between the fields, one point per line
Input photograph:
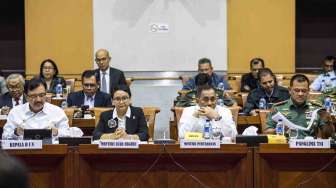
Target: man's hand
x=253 y=113
x=208 y=112
x=19 y=131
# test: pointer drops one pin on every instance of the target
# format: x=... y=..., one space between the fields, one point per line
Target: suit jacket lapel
x=82 y=98
x=97 y=99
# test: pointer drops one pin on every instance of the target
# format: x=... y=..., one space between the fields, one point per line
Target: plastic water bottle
x=262 y=103
x=207 y=129
x=220 y=102
x=323 y=85
x=327 y=104
x=279 y=129
x=59 y=89
x=64 y=104
x=221 y=86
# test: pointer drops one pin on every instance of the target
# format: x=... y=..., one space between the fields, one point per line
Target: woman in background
x=49 y=74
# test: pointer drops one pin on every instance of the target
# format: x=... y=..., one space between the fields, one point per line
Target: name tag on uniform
x=21 y=144
x=120 y=144
x=316 y=143
x=200 y=144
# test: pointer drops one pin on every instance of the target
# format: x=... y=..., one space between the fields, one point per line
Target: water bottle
x=262 y=103
x=59 y=89
x=221 y=86
x=64 y=105
x=323 y=85
x=207 y=129
x=220 y=102
x=327 y=104
x=279 y=129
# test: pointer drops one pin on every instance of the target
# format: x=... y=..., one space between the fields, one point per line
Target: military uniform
x=252 y=101
x=299 y=115
x=327 y=93
x=189 y=99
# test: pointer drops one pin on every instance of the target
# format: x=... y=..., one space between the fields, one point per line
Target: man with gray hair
x=14 y=96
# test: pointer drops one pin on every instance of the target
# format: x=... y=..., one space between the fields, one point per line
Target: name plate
x=200 y=144
x=21 y=144
x=121 y=144
x=316 y=143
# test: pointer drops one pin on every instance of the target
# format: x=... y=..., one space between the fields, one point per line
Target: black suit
x=117 y=77
x=136 y=124
x=101 y=99
x=6 y=100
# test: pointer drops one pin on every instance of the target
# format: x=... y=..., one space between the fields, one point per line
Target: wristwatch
x=218 y=118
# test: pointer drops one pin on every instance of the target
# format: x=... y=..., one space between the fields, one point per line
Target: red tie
x=17 y=102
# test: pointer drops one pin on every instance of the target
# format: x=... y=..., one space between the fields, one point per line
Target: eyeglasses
x=48 y=68
x=35 y=96
x=13 y=88
x=119 y=99
x=207 y=99
x=90 y=85
x=101 y=59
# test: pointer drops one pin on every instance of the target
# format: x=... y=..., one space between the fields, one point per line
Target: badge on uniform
x=112 y=123
x=309 y=114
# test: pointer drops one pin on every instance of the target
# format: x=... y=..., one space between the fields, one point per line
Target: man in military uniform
x=269 y=90
x=188 y=97
x=300 y=112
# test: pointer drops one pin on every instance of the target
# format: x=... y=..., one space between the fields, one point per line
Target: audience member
x=249 y=81
x=301 y=112
x=14 y=96
x=194 y=117
x=35 y=114
x=108 y=77
x=49 y=74
x=268 y=90
x=124 y=121
x=189 y=98
x=327 y=79
x=205 y=66
x=90 y=95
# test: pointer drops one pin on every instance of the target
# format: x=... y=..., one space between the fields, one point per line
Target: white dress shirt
x=22 y=116
x=329 y=78
x=107 y=78
x=122 y=121
x=89 y=101
x=189 y=123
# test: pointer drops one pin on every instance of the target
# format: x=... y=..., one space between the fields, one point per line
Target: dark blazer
x=101 y=99
x=6 y=100
x=134 y=125
x=54 y=82
x=117 y=77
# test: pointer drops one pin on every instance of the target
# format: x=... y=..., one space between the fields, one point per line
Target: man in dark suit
x=90 y=95
x=14 y=96
x=124 y=121
x=107 y=76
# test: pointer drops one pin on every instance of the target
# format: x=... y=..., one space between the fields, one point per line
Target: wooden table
x=86 y=125
x=276 y=165
x=229 y=166
x=49 y=167
x=246 y=121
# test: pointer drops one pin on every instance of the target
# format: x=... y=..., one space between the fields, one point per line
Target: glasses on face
x=296 y=90
x=48 y=68
x=35 y=96
x=119 y=99
x=101 y=59
x=14 y=88
x=89 y=85
x=207 y=99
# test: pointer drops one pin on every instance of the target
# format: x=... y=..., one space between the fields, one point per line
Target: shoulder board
x=315 y=103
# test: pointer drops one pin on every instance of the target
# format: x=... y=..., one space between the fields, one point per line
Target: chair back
x=71 y=84
x=97 y=111
x=150 y=114
x=263 y=119
x=69 y=112
x=235 y=111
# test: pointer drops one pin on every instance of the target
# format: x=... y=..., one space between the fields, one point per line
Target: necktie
x=104 y=88
x=17 y=102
